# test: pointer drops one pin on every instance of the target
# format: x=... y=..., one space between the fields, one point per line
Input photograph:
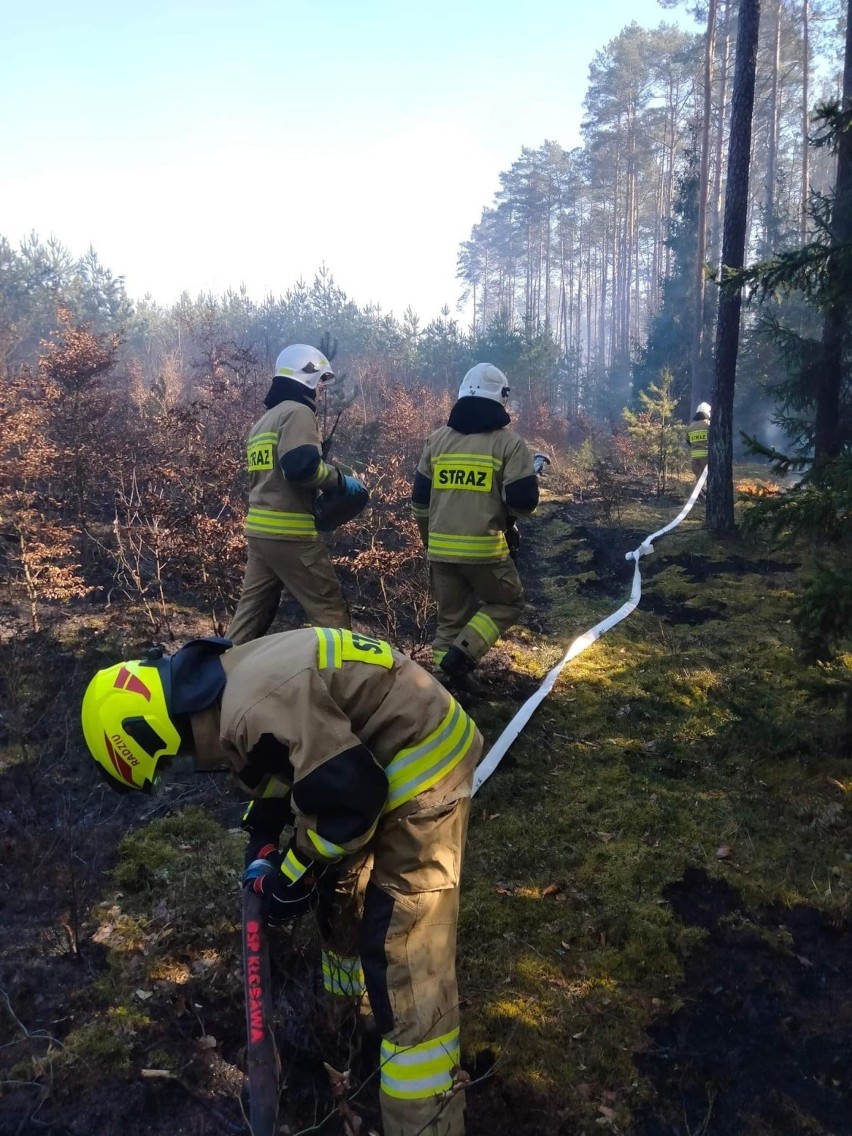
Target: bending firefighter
x=475 y=475
x=375 y=759
x=698 y=435
x=288 y=474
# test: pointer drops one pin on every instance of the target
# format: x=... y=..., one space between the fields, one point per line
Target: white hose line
x=495 y=755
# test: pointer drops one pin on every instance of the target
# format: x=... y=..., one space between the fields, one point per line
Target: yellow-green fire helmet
x=126 y=721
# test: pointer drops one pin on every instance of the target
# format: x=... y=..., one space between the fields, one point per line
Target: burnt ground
x=762 y=1042
x=759 y=1043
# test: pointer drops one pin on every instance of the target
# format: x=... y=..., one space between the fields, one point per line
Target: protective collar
x=197 y=675
x=285 y=389
x=472 y=415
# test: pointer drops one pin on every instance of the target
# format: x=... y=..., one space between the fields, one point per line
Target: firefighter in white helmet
x=288 y=475
x=374 y=760
x=474 y=477
x=698 y=435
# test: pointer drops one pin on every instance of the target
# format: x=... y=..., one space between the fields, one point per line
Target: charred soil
x=618 y=973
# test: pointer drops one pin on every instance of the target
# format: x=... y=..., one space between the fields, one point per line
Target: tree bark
x=836 y=324
x=720 y=489
x=806 y=151
x=769 y=225
x=698 y=392
x=718 y=147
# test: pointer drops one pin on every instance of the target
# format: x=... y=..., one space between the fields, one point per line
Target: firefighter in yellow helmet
x=373 y=760
x=474 y=477
x=698 y=435
x=289 y=479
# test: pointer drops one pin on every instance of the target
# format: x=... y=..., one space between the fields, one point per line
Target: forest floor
x=655 y=930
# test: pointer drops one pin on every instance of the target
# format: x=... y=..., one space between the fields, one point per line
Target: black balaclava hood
x=285 y=389
x=197 y=676
x=474 y=415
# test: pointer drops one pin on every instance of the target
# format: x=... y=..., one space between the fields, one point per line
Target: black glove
x=513 y=538
x=263 y=821
x=289 y=882
x=343 y=502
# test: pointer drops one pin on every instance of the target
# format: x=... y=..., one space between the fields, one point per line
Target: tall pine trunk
x=698 y=392
x=718 y=146
x=770 y=225
x=835 y=327
x=720 y=489
x=805 y=189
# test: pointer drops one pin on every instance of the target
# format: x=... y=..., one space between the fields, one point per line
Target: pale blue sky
x=202 y=145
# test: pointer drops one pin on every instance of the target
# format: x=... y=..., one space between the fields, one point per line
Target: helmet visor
x=323 y=376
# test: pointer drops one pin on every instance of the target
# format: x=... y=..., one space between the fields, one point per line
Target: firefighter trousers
x=389 y=934
x=305 y=569
x=476 y=604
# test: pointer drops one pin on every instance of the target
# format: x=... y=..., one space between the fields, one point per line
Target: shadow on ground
x=762 y=1041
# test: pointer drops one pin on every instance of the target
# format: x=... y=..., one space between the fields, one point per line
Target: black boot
x=456 y=667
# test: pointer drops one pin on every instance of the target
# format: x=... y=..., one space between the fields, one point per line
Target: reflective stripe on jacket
x=698 y=434
x=466 y=477
x=354 y=726
x=281 y=508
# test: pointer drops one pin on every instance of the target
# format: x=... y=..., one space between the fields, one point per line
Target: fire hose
x=264 y=1070
x=497 y=752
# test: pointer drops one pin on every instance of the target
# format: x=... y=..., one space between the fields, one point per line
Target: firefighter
x=475 y=476
x=288 y=474
x=373 y=760
x=697 y=435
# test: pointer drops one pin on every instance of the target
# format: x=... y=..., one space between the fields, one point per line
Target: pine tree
x=655 y=429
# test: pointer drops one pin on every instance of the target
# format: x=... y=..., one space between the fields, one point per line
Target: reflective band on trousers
x=455 y=547
x=425 y=1070
x=270 y=522
x=343 y=976
x=485 y=627
x=419 y=767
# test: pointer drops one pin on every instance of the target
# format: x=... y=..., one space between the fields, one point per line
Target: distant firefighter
x=698 y=433
x=475 y=476
x=288 y=475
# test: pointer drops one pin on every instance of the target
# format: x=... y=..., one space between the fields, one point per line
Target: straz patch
x=337 y=646
x=459 y=474
x=260 y=455
x=364 y=649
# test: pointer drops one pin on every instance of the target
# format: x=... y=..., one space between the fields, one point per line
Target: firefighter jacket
x=286 y=471
x=474 y=475
x=350 y=726
x=698 y=433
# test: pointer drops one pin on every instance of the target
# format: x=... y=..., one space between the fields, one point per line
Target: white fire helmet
x=703 y=410
x=485 y=381
x=305 y=364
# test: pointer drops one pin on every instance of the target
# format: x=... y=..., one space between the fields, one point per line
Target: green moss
x=109 y=1042
x=183 y=869
x=660 y=743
